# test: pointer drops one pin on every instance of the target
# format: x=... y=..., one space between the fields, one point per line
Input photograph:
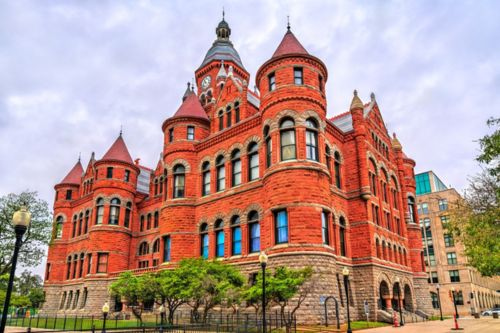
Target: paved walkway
x=469 y=325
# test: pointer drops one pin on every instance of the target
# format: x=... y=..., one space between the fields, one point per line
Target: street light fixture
x=263 y=264
x=345 y=273
x=439 y=302
x=21 y=221
x=105 y=310
x=162 y=315
x=454 y=301
x=401 y=323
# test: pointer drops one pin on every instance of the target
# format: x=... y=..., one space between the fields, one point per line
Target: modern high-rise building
x=445 y=263
x=243 y=171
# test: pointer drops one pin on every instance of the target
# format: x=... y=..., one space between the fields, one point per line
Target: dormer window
x=272 y=81
x=298 y=76
x=190 y=132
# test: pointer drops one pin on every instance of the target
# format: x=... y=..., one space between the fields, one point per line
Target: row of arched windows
x=75 y=267
x=144 y=247
x=228 y=116
x=394 y=253
x=146 y=222
x=114 y=212
x=380 y=145
x=87 y=186
x=68 y=301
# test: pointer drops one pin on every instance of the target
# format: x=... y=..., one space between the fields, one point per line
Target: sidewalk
x=470 y=325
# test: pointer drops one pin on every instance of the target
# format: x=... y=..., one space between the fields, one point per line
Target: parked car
x=490 y=312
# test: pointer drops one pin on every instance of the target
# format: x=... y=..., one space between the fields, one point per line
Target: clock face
x=206 y=82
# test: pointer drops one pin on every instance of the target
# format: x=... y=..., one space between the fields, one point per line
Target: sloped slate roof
x=191 y=107
x=75 y=175
x=222 y=50
x=118 y=151
x=289 y=45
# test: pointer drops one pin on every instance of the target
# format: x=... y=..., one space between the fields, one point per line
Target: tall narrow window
x=114 y=211
x=236 y=167
x=179 y=181
x=272 y=81
x=204 y=240
x=338 y=177
x=68 y=194
x=87 y=219
x=312 y=139
x=142 y=223
x=68 y=268
x=236 y=112
x=80 y=267
x=156 y=222
x=75 y=264
x=253 y=161
x=269 y=148
x=171 y=135
x=80 y=224
x=47 y=272
x=298 y=75
x=148 y=221
x=143 y=248
x=324 y=228
x=190 y=132
x=327 y=158
x=155 y=186
x=320 y=81
x=89 y=263
x=221 y=120
x=128 y=212
x=166 y=248
x=253 y=232
x=221 y=173
x=99 y=212
x=281 y=226
x=156 y=246
x=205 y=190
x=219 y=238
x=235 y=236
x=109 y=172
x=75 y=221
x=102 y=263
x=127 y=175
x=228 y=117
x=342 y=227
x=287 y=136
x=411 y=209
x=160 y=185
x=59 y=226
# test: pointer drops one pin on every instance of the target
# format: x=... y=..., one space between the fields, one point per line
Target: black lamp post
x=21 y=221
x=454 y=301
x=105 y=310
x=401 y=322
x=345 y=273
x=263 y=264
x=439 y=302
x=162 y=315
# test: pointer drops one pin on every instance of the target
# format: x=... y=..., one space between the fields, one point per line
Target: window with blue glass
x=281 y=226
x=254 y=232
x=219 y=236
x=235 y=236
x=166 y=248
x=204 y=240
x=423 y=183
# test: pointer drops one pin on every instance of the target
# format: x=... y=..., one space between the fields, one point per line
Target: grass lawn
x=61 y=323
x=360 y=325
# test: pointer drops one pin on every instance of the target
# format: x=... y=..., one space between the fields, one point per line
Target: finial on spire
x=372 y=96
x=79 y=156
x=288 y=22
x=356 y=102
x=223 y=13
x=192 y=84
x=121 y=130
x=355 y=92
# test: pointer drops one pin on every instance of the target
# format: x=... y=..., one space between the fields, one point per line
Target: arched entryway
x=384 y=295
x=407 y=300
x=397 y=295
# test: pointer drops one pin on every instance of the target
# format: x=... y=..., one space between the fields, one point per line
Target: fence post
x=29 y=325
x=22 y=322
x=116 y=322
x=74 y=325
x=37 y=320
x=64 y=322
x=92 y=323
x=45 y=326
x=55 y=321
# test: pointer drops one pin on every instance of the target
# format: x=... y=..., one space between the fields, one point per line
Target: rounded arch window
x=269 y=148
x=219 y=238
x=235 y=235
x=87 y=218
x=204 y=240
x=221 y=173
x=221 y=120
x=99 y=212
x=337 y=166
x=143 y=248
x=156 y=246
x=287 y=139
x=114 y=211
x=342 y=236
x=236 y=167
x=59 y=227
x=253 y=232
x=206 y=178
x=75 y=222
x=312 y=139
x=253 y=161
x=179 y=181
x=128 y=213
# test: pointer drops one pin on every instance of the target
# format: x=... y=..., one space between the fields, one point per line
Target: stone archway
x=384 y=301
x=407 y=300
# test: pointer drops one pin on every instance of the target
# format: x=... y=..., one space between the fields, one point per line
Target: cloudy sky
x=73 y=72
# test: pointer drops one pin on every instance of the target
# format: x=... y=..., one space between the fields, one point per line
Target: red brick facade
x=341 y=184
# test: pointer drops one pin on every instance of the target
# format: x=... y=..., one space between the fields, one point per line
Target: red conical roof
x=118 y=152
x=191 y=107
x=289 y=44
x=74 y=176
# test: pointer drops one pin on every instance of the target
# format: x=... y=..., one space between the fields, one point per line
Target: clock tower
x=219 y=60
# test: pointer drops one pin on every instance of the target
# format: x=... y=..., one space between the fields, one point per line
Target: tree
x=27 y=282
x=172 y=288
x=134 y=291
x=490 y=149
x=37 y=236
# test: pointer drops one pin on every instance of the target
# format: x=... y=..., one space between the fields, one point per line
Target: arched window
x=204 y=240
x=395 y=202
x=156 y=186
x=253 y=161
x=411 y=209
x=143 y=248
x=142 y=223
x=114 y=211
x=86 y=225
x=221 y=173
x=384 y=250
x=160 y=185
x=236 y=167
x=236 y=112
x=269 y=147
x=165 y=187
x=372 y=175
x=156 y=246
x=219 y=238
x=156 y=219
x=68 y=268
x=75 y=220
x=383 y=184
x=281 y=226
x=312 y=139
x=221 y=120
x=327 y=158
x=59 y=227
x=80 y=224
x=253 y=232
x=99 y=212
x=395 y=253
x=80 y=267
x=325 y=233
x=342 y=235
x=179 y=181
x=338 y=182
x=235 y=236
x=287 y=138
x=228 y=116
x=148 y=221
x=205 y=190
x=128 y=212
x=377 y=247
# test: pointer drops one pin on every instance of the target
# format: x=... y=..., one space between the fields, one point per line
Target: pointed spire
x=118 y=152
x=75 y=174
x=289 y=45
x=356 y=102
x=288 y=22
x=187 y=92
x=191 y=107
x=395 y=142
x=222 y=71
x=223 y=31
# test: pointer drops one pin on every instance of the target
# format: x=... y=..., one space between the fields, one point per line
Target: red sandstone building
x=241 y=172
